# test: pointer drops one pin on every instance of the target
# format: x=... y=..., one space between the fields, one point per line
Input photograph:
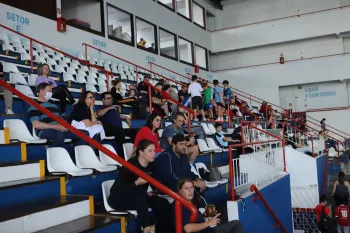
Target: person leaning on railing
x=45 y=127
x=203 y=224
x=60 y=92
x=159 y=104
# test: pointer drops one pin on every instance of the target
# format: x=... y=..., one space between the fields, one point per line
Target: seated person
x=142 y=88
x=172 y=165
x=84 y=117
x=197 y=130
x=223 y=140
x=159 y=104
x=8 y=96
x=129 y=192
x=150 y=131
x=117 y=96
x=111 y=121
x=60 y=92
x=176 y=128
x=44 y=126
x=185 y=189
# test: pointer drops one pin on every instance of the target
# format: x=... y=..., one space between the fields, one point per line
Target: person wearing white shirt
x=195 y=90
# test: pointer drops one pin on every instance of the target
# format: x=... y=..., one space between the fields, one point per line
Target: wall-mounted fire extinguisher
x=281 y=59
x=196 y=69
x=61 y=24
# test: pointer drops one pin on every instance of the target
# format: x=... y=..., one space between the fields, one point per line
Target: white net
x=304 y=200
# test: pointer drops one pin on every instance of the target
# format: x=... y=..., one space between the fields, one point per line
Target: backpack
x=327 y=224
x=139 y=110
x=341 y=190
x=215 y=174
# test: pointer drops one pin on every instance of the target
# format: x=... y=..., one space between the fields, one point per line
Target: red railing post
x=31 y=55
x=232 y=182
x=150 y=98
x=178 y=220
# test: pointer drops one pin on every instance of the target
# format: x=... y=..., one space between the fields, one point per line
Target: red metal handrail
x=167 y=96
x=253 y=188
x=286 y=17
x=178 y=199
x=245 y=95
x=31 y=40
x=138 y=68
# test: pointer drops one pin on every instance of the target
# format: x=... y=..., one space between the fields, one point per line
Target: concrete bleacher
x=17 y=156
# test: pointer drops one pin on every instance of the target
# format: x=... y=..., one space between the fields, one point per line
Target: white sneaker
x=9 y=112
x=195 y=119
x=204 y=119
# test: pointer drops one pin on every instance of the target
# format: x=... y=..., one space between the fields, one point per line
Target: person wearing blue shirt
x=218 y=94
x=112 y=121
x=185 y=189
x=172 y=165
x=227 y=96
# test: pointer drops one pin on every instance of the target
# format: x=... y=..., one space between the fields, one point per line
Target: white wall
x=45 y=30
x=251 y=11
x=281 y=31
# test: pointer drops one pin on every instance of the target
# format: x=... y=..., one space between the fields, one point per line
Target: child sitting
x=221 y=138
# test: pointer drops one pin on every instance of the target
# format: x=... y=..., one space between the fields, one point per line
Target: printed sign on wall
x=18 y=20
x=100 y=44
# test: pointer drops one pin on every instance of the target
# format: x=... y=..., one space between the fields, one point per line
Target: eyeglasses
x=90 y=97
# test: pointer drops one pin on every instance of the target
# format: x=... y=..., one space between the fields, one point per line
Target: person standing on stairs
x=342 y=213
x=341 y=189
x=8 y=96
x=323 y=214
x=60 y=92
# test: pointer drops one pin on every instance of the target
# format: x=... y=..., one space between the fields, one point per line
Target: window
x=167 y=44
x=186 y=51
x=170 y=4
x=86 y=15
x=201 y=57
x=198 y=15
x=120 y=25
x=146 y=34
x=184 y=8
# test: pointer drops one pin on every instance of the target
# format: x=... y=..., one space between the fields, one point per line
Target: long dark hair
x=83 y=97
x=143 y=144
x=182 y=182
x=150 y=121
x=323 y=119
x=341 y=176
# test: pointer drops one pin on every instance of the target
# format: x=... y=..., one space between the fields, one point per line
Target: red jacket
x=146 y=133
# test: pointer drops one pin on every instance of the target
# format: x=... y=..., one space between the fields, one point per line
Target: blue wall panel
x=27 y=193
x=256 y=218
x=321 y=169
x=89 y=185
x=10 y=153
x=115 y=228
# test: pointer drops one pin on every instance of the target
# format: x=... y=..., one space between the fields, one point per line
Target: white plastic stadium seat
x=68 y=77
x=7 y=47
x=212 y=145
x=106 y=187
x=4 y=37
x=17 y=79
x=80 y=79
x=19 y=131
x=206 y=129
x=209 y=184
x=203 y=147
x=105 y=159
x=91 y=88
x=211 y=128
x=85 y=158
x=60 y=162
x=15 y=40
x=26 y=90
x=31 y=79
x=128 y=148
x=10 y=67
x=202 y=165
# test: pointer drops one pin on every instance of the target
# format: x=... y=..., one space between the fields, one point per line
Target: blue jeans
x=57 y=137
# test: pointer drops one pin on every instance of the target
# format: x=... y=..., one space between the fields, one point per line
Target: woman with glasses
x=150 y=132
x=60 y=92
x=84 y=117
